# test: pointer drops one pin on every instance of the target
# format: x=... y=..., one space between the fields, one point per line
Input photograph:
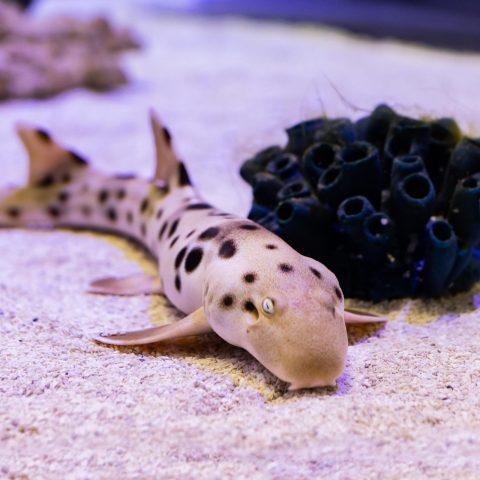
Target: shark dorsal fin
x=169 y=169
x=45 y=154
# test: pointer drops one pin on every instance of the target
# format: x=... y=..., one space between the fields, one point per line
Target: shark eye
x=267 y=306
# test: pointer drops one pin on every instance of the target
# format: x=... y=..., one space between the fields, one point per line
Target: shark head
x=285 y=309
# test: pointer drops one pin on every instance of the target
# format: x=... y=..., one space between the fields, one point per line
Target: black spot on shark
x=13 y=212
x=285 y=267
x=63 y=197
x=167 y=136
x=77 y=159
x=198 y=206
x=46 y=181
x=228 y=249
x=162 y=230
x=43 y=135
x=250 y=277
x=53 y=211
x=183 y=177
x=103 y=196
x=227 y=301
x=66 y=177
x=193 y=259
x=180 y=256
x=124 y=176
x=209 y=233
x=111 y=214
x=144 y=205
x=173 y=228
x=316 y=272
x=174 y=241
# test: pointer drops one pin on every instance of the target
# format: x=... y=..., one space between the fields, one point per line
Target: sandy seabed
x=407 y=406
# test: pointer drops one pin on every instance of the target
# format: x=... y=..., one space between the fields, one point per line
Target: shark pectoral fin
x=136 y=284
x=355 y=317
x=193 y=324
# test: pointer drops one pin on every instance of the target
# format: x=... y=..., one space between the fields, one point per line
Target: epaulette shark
x=226 y=273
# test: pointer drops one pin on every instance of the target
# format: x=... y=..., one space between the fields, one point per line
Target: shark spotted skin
x=226 y=273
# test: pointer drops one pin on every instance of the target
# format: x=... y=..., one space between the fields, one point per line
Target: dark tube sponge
x=362 y=170
x=301 y=210
x=265 y=189
x=337 y=131
x=444 y=135
x=302 y=135
x=316 y=160
x=286 y=167
x=405 y=133
x=413 y=202
x=351 y=214
x=258 y=212
x=356 y=171
x=332 y=186
x=269 y=221
x=304 y=222
x=258 y=163
x=462 y=260
x=406 y=136
x=370 y=233
x=377 y=238
x=296 y=189
x=445 y=132
x=293 y=212
x=464 y=161
x=405 y=165
x=374 y=128
x=440 y=256
x=382 y=203
x=464 y=212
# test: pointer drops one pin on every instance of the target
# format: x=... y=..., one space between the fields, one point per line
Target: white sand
x=408 y=404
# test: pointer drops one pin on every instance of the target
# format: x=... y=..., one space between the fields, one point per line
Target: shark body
x=226 y=273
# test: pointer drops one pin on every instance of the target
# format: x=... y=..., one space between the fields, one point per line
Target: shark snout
x=304 y=350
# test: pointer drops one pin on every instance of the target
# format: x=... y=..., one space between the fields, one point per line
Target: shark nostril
x=250 y=307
